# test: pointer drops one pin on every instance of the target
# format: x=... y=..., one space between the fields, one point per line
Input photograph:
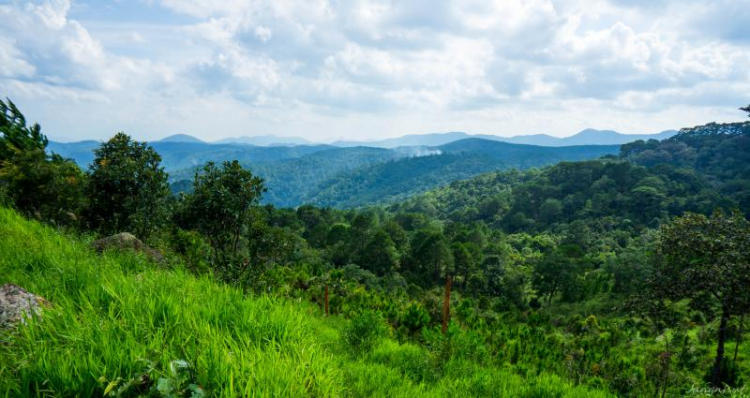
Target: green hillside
x=122 y=326
x=400 y=179
x=698 y=170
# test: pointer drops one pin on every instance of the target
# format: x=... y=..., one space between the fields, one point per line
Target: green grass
x=117 y=318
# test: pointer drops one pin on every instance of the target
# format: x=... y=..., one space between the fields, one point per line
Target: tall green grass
x=120 y=324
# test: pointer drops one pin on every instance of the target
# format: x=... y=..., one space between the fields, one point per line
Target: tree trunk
x=552 y=293
x=716 y=373
x=326 y=299
x=447 y=303
x=739 y=338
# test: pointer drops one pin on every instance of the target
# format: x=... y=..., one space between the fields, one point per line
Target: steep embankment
x=120 y=326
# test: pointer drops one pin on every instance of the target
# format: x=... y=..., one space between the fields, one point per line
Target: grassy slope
x=112 y=312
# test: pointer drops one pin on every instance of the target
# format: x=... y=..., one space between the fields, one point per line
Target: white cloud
x=381 y=67
x=12 y=65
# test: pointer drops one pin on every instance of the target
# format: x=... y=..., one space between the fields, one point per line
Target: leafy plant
x=364 y=330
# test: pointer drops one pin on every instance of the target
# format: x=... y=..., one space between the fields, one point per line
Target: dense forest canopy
x=720 y=153
x=625 y=275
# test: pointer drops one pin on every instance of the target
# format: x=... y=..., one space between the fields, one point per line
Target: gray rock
x=16 y=304
x=126 y=241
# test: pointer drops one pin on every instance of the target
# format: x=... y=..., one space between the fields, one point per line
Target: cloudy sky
x=360 y=69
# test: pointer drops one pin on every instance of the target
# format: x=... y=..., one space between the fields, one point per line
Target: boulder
x=126 y=241
x=16 y=304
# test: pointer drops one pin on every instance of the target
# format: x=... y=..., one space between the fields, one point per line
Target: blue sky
x=334 y=69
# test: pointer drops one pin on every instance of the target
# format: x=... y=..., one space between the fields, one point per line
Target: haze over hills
x=585 y=137
x=432 y=139
x=182 y=138
x=266 y=140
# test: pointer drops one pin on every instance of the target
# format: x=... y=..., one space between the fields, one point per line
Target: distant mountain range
x=266 y=140
x=585 y=137
x=260 y=140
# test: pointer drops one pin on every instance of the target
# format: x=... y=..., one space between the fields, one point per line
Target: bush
x=194 y=249
x=456 y=343
x=411 y=360
x=413 y=319
x=364 y=330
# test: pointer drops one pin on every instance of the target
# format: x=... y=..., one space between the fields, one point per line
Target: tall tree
x=42 y=185
x=557 y=272
x=746 y=109
x=379 y=255
x=463 y=261
x=431 y=257
x=221 y=209
x=128 y=189
x=707 y=261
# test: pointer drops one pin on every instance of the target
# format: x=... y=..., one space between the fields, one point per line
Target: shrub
x=413 y=319
x=364 y=330
x=411 y=360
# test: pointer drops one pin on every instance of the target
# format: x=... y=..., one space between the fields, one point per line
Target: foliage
x=127 y=188
x=16 y=135
x=719 y=152
x=42 y=185
x=399 y=179
x=380 y=255
x=617 y=193
x=111 y=312
x=364 y=331
x=707 y=261
x=221 y=208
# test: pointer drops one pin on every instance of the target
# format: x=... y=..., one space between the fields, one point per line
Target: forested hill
x=700 y=169
x=400 y=179
x=719 y=152
x=289 y=181
x=177 y=155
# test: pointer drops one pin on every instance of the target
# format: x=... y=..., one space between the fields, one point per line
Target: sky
x=361 y=70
